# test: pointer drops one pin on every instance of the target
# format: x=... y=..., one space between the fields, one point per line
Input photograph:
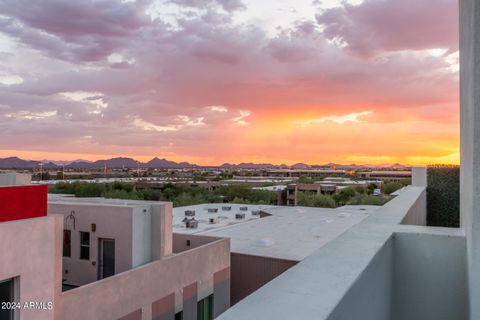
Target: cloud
x=217 y=108
x=75 y=30
x=377 y=26
x=338 y=119
x=227 y=5
x=143 y=84
x=9 y=79
x=241 y=118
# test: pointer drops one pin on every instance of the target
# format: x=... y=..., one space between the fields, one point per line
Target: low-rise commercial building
x=305 y=172
x=386 y=175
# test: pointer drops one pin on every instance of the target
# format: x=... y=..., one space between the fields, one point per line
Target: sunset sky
x=214 y=81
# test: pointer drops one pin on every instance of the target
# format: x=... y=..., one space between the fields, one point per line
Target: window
x=205 y=308
x=67 y=243
x=6 y=295
x=84 y=245
x=179 y=315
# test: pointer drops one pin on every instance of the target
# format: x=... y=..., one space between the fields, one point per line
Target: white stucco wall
x=112 y=222
x=141 y=236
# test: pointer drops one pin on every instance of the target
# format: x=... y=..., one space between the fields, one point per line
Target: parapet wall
x=373 y=271
x=156 y=287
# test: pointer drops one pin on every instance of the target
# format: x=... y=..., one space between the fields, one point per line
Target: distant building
x=327 y=186
x=386 y=175
x=305 y=172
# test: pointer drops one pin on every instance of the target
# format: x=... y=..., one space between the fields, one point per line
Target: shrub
x=122 y=194
x=360 y=190
x=308 y=199
x=443 y=196
x=364 y=199
x=342 y=196
x=391 y=187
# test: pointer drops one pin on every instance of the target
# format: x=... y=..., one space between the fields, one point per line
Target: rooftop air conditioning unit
x=226 y=208
x=240 y=216
x=189 y=213
x=243 y=208
x=191 y=224
x=212 y=210
x=255 y=212
x=213 y=220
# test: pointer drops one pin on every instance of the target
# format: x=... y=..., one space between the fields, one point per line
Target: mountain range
x=157 y=163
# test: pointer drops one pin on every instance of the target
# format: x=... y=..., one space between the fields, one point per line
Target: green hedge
x=443 y=196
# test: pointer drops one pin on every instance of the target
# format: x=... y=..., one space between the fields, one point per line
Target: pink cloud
x=210 y=60
x=376 y=26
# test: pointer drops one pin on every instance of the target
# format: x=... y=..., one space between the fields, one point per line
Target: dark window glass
x=67 y=243
x=84 y=245
x=205 y=308
x=6 y=295
x=85 y=238
x=179 y=315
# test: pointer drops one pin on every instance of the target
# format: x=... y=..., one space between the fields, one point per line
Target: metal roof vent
x=191 y=224
x=265 y=242
x=226 y=208
x=344 y=215
x=243 y=208
x=212 y=210
x=213 y=220
x=255 y=212
x=189 y=213
x=240 y=216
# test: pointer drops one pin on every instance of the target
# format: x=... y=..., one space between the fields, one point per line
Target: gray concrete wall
x=429 y=276
x=190 y=301
x=417 y=213
x=139 y=288
x=369 y=298
x=221 y=291
x=470 y=144
x=31 y=252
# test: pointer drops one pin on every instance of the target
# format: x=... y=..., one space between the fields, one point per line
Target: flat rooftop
x=225 y=218
x=290 y=233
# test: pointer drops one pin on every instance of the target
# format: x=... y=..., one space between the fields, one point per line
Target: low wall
x=251 y=272
x=370 y=296
x=429 y=275
x=417 y=213
x=185 y=242
x=154 y=288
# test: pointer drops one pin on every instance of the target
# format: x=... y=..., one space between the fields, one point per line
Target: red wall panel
x=23 y=202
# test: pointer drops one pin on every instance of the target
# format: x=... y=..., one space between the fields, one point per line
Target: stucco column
x=470 y=144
